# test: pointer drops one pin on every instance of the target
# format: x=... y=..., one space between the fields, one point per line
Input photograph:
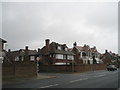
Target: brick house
x=110 y=58
x=2 y=51
x=55 y=54
x=22 y=55
x=20 y=63
x=85 y=54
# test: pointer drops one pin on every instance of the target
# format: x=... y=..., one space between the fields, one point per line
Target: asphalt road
x=97 y=79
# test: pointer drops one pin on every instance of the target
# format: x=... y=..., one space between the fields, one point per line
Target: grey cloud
x=31 y=23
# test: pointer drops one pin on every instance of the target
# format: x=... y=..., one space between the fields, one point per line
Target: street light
x=38 y=58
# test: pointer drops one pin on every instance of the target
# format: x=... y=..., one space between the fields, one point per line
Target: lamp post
x=38 y=58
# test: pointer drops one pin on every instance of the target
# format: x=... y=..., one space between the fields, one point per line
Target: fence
x=19 y=69
x=70 y=68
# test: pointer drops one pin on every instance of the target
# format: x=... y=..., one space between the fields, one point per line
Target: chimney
x=47 y=41
x=85 y=45
x=26 y=47
x=106 y=51
x=74 y=44
x=9 y=50
x=38 y=49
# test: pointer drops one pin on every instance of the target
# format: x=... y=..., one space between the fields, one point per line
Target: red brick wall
x=55 y=68
x=19 y=69
x=68 y=68
x=89 y=67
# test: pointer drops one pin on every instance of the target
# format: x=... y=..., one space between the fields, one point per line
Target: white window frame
x=32 y=58
x=59 y=48
x=22 y=58
x=59 y=56
x=66 y=49
x=70 y=57
x=17 y=58
x=60 y=63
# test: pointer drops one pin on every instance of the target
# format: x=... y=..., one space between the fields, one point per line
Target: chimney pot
x=74 y=44
x=106 y=51
x=9 y=50
x=26 y=47
x=47 y=42
x=38 y=49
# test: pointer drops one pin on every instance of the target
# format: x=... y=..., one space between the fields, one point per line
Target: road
x=96 y=79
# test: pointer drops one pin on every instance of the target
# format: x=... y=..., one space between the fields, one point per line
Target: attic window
x=66 y=49
x=59 y=48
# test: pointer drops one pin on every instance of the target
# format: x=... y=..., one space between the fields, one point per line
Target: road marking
x=94 y=76
x=100 y=75
x=49 y=86
x=78 y=80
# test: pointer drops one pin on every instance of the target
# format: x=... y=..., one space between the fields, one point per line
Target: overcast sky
x=30 y=23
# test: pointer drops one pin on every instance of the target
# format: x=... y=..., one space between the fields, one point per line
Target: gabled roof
x=53 y=49
x=93 y=49
x=62 y=51
x=86 y=48
x=2 y=40
x=21 y=52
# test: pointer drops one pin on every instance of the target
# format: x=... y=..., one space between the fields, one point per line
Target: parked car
x=111 y=68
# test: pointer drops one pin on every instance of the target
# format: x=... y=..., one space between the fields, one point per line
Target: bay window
x=59 y=56
x=70 y=57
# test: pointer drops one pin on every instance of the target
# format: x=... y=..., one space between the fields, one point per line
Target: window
x=83 y=54
x=59 y=56
x=70 y=57
x=66 y=49
x=22 y=58
x=32 y=58
x=60 y=63
x=59 y=48
x=16 y=58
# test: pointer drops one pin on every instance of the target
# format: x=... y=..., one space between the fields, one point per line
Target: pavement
x=21 y=80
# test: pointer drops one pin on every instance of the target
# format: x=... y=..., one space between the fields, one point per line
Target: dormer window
x=59 y=48
x=66 y=49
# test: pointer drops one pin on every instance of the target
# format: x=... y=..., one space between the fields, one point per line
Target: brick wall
x=89 y=67
x=19 y=69
x=69 y=68
x=55 y=68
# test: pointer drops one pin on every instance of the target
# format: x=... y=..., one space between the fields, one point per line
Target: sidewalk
x=21 y=80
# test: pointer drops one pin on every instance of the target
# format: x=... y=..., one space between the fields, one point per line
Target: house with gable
x=55 y=54
x=86 y=55
x=20 y=63
x=22 y=55
x=110 y=57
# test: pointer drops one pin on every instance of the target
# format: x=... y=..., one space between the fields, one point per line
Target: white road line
x=49 y=86
x=94 y=76
x=100 y=75
x=78 y=80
